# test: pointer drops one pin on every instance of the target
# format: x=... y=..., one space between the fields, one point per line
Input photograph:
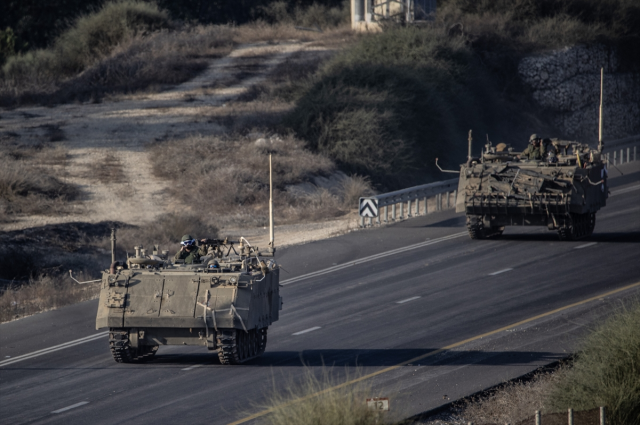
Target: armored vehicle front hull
x=562 y=197
x=188 y=305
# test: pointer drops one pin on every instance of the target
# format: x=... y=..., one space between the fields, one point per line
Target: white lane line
x=307 y=330
x=407 y=300
x=625 y=190
x=192 y=367
x=285 y=282
x=73 y=406
x=52 y=349
x=499 y=271
x=586 y=245
x=372 y=258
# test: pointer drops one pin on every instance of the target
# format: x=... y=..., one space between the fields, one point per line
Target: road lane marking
x=407 y=300
x=193 y=367
x=586 y=245
x=315 y=328
x=372 y=258
x=499 y=271
x=625 y=190
x=73 y=406
x=285 y=282
x=52 y=349
x=435 y=352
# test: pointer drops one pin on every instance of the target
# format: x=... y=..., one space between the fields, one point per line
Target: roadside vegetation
x=390 y=104
x=604 y=372
x=209 y=179
x=311 y=402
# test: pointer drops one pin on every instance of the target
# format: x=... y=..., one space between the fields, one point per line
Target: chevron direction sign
x=368 y=207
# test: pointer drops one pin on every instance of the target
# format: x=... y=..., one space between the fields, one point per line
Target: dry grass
x=107 y=169
x=44 y=293
x=226 y=179
x=310 y=402
x=26 y=188
x=513 y=402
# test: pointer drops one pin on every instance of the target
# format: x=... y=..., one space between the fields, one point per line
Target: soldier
x=189 y=252
x=537 y=148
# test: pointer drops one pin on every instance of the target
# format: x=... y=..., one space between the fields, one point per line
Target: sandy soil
x=123 y=127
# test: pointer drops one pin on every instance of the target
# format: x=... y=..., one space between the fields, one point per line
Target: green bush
x=607 y=371
x=90 y=38
x=387 y=105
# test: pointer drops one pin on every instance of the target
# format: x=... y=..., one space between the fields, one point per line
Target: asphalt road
x=431 y=294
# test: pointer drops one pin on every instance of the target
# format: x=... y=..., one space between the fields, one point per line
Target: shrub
x=322 y=401
x=91 y=38
x=314 y=15
x=384 y=107
x=45 y=292
x=28 y=189
x=607 y=371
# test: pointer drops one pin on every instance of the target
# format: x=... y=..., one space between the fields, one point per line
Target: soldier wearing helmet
x=189 y=250
x=537 y=149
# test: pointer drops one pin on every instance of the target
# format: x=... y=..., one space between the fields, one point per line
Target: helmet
x=501 y=147
x=188 y=240
x=533 y=137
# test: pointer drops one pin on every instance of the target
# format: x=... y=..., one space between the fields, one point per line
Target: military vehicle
x=562 y=191
x=225 y=303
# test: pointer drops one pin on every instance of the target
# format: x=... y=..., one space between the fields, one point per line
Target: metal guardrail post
x=628 y=154
x=602 y=418
x=370 y=222
x=378 y=220
x=386 y=214
x=393 y=212
x=401 y=210
x=426 y=207
x=408 y=208
x=455 y=197
x=538 y=418
x=362 y=222
x=447 y=195
x=614 y=157
x=635 y=157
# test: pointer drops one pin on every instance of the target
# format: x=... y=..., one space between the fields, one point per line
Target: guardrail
x=370 y=206
x=615 y=150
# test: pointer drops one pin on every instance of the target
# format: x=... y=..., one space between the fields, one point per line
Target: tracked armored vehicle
x=225 y=303
x=562 y=191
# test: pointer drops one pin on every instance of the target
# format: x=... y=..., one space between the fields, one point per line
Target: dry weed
x=107 y=169
x=44 y=293
x=315 y=400
x=513 y=402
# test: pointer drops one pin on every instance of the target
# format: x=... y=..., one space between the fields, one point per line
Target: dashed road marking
x=407 y=300
x=433 y=353
x=499 y=271
x=307 y=330
x=192 y=367
x=73 y=406
x=373 y=257
x=586 y=245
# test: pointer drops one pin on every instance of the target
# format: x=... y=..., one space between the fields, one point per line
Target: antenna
x=271 y=241
x=600 y=144
x=470 y=140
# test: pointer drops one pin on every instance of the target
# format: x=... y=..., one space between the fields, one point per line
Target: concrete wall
x=567 y=82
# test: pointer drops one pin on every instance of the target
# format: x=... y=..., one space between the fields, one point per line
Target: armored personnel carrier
x=225 y=303
x=562 y=191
